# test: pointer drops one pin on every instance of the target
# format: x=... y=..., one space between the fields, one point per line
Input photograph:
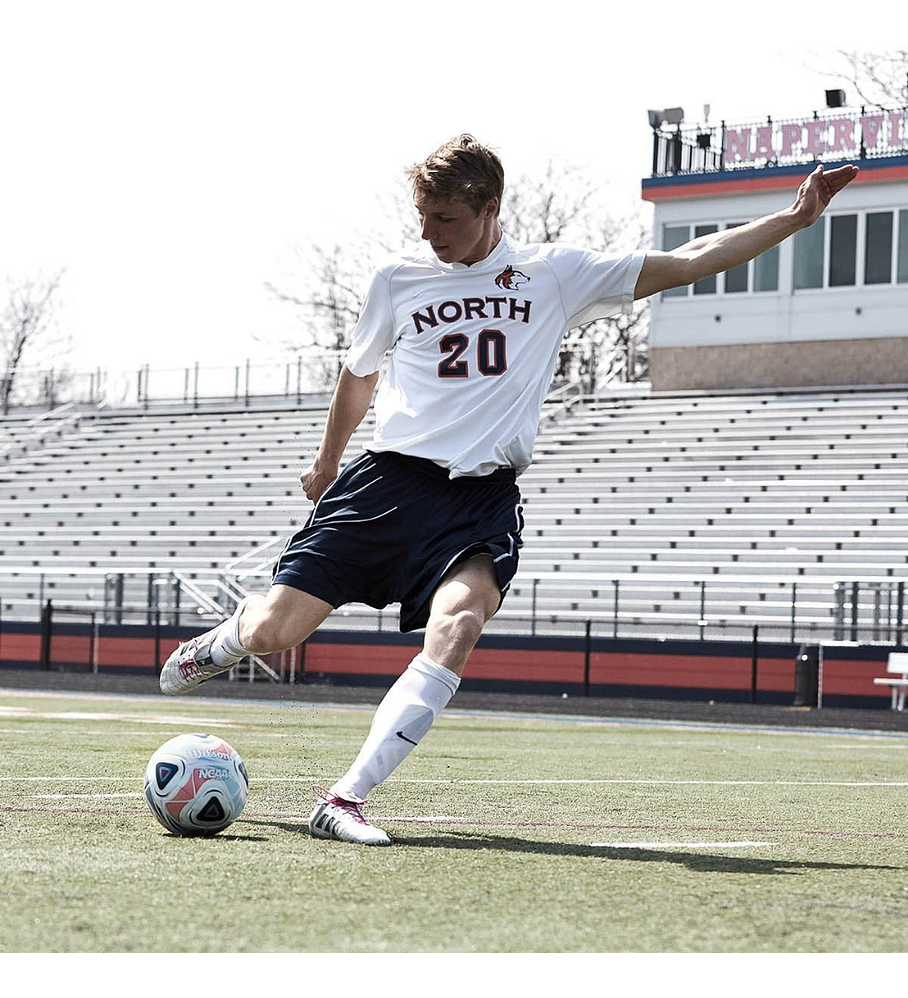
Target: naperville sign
x=879 y=134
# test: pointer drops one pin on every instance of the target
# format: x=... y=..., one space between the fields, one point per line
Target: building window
x=865 y=249
x=902 y=254
x=808 y=255
x=878 y=248
x=843 y=247
x=736 y=280
x=766 y=270
x=860 y=250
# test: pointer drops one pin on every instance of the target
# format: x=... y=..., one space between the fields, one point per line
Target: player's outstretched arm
x=729 y=248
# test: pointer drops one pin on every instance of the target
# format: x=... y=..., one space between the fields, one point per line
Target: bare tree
x=563 y=205
x=566 y=205
x=27 y=332
x=327 y=288
x=879 y=79
x=328 y=305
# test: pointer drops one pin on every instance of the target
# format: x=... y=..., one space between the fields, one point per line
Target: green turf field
x=512 y=834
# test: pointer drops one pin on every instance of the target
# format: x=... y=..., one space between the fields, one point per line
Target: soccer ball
x=196 y=785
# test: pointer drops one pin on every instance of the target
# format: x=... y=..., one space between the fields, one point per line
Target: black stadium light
x=668 y=116
x=835 y=98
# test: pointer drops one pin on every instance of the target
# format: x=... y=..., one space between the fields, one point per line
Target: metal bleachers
x=637 y=508
x=750 y=492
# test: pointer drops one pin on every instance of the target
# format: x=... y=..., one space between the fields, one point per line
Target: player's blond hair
x=463 y=170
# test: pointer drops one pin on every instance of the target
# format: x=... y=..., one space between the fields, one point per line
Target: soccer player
x=429 y=514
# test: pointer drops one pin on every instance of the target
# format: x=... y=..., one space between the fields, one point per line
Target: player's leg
x=320 y=558
x=462 y=604
x=281 y=619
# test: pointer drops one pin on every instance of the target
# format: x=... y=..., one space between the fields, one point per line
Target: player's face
x=457 y=233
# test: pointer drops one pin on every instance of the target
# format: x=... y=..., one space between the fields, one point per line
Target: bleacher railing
x=862 y=611
x=310 y=373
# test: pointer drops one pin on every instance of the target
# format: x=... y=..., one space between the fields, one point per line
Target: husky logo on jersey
x=511 y=279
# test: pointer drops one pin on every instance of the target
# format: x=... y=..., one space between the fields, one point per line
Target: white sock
x=405 y=714
x=226 y=649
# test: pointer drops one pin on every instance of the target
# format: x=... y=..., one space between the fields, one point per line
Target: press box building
x=828 y=306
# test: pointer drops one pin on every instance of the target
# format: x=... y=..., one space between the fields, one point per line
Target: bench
x=897 y=678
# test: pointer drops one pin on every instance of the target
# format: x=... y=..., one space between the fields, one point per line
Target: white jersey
x=474 y=348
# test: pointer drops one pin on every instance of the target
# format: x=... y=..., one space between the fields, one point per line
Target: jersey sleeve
x=594 y=285
x=374 y=333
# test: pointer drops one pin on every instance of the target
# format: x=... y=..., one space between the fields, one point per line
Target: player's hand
x=316 y=478
x=818 y=190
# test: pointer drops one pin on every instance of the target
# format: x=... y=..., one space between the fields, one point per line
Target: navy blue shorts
x=391 y=526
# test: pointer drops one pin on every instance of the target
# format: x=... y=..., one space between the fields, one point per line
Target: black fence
x=814 y=611
x=760 y=671
x=840 y=134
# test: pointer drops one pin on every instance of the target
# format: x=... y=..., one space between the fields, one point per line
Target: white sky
x=171 y=155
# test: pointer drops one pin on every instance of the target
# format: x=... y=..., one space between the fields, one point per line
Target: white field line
x=25 y=713
x=681 y=845
x=133 y=796
x=453 y=714
x=507 y=783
